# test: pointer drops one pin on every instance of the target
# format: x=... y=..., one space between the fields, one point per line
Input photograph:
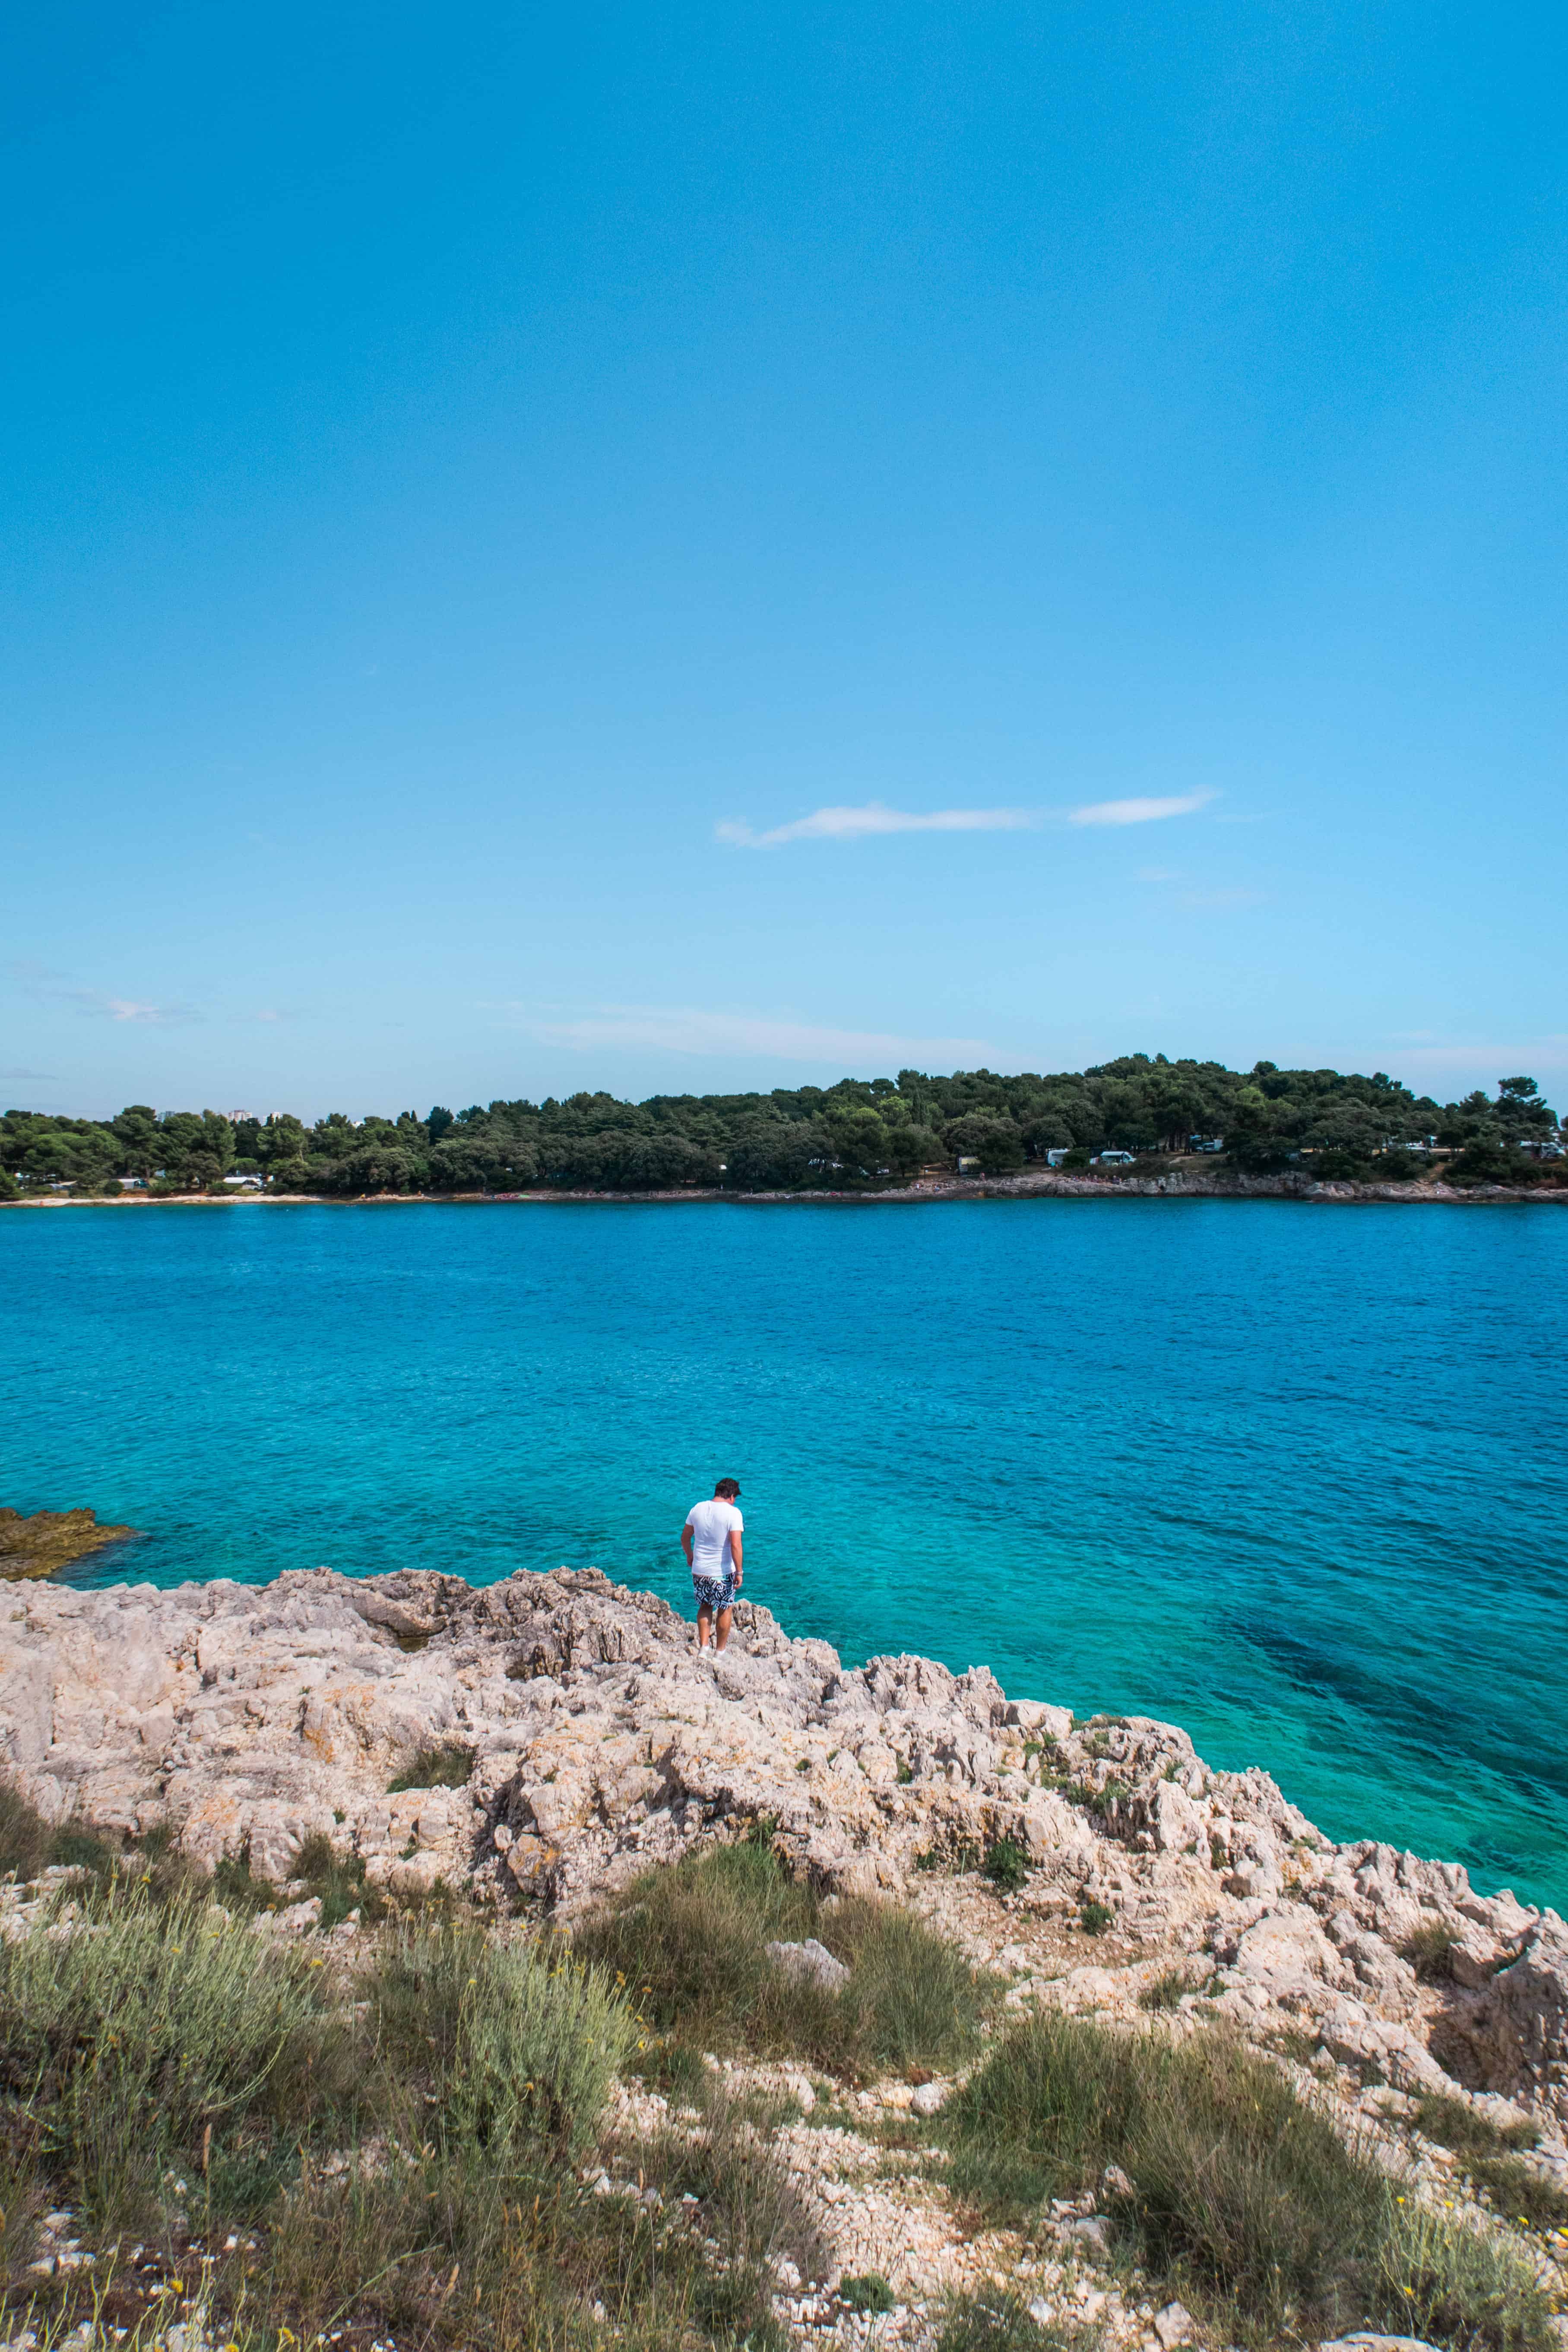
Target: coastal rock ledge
x=590 y=1741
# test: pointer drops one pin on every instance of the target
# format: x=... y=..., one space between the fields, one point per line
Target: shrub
x=998 y=2322
x=688 y=1941
x=1166 y=1991
x=1006 y=1865
x=446 y=2249
x=1454 y=2123
x=747 y=2198
x=147 y=2025
x=521 y=2041
x=80 y=1849
x=1519 y=2192
x=23 y=1832
x=539 y=2044
x=1429 y=1949
x=1452 y=2285
x=1243 y=2194
x=868 y=2291
x=435 y=1768
x=1488 y=1159
x=152 y=2042
x=339 y=1880
x=1094 y=1917
x=494 y=2065
x=232 y=1885
x=915 y=1999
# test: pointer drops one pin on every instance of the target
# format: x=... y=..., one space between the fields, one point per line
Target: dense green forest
x=859 y=1135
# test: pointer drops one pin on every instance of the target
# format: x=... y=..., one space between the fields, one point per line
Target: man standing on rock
x=711 y=1542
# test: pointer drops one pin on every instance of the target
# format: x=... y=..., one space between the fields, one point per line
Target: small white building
x=242 y=1183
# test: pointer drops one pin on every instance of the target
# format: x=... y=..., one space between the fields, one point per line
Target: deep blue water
x=1289 y=1475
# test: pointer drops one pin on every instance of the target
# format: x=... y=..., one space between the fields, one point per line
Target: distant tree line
x=862 y=1134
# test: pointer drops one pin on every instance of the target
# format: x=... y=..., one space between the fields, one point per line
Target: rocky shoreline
x=585 y=1740
x=534 y=1745
x=1180 y=1185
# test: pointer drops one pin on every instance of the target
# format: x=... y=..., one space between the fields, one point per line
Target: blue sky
x=512 y=517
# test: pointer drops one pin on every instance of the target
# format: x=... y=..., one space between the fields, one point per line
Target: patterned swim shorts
x=715 y=1592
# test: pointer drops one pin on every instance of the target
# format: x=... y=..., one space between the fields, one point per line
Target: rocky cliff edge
x=595 y=1741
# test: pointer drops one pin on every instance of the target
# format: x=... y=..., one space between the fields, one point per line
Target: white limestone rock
x=249 y=1719
x=809 y=1960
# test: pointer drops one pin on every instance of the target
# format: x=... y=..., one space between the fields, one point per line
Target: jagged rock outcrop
x=50 y=1540
x=589 y=1739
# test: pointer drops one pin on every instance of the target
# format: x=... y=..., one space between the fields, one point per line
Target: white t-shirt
x=711 y=1525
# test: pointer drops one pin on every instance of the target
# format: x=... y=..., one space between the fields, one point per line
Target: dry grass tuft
x=1244 y=2196
x=689 y=1942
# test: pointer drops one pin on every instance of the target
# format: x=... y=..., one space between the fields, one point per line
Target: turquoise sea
x=1291 y=1475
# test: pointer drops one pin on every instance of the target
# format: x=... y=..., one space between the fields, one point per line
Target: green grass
x=434 y=1768
x=539 y=2040
x=78 y=1849
x=524 y=2040
x=1430 y=1949
x=687 y=1941
x=1454 y=2123
x=339 y=1880
x=1243 y=2196
x=865 y=2291
x=1492 y=2159
x=1094 y=1917
x=152 y=2023
x=747 y=2200
x=998 y=2320
x=24 y=1833
x=28 y=1845
x=1518 y=2192
x=231 y=1885
x=396 y=2150
x=1006 y=1865
x=1166 y=1991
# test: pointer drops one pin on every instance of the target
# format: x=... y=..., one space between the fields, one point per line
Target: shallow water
x=1289 y=1475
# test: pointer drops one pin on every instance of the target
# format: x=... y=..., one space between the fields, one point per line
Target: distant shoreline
x=1176 y=1187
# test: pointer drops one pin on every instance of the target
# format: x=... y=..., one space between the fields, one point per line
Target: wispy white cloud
x=1161 y=874
x=132 y=1008
x=1139 y=812
x=22 y=1077
x=686 y=1029
x=875 y=817
x=47 y=987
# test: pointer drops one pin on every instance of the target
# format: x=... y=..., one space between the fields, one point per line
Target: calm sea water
x=1289 y=1475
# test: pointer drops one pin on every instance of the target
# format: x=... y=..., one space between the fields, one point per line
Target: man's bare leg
x=705 y=1625
x=726 y=1619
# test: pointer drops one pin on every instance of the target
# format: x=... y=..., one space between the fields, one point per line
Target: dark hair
x=729 y=1488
